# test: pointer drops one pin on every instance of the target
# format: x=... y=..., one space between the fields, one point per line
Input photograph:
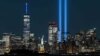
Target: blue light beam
x=65 y=19
x=60 y=20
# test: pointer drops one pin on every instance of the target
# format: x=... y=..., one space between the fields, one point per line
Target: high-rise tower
x=52 y=37
x=52 y=33
x=26 y=30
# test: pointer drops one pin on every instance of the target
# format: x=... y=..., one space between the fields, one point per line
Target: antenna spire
x=26 y=7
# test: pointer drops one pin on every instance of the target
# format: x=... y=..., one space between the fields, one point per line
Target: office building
x=52 y=33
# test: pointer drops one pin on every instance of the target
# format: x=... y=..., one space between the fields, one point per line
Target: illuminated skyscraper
x=6 y=39
x=52 y=36
x=26 y=31
x=52 y=33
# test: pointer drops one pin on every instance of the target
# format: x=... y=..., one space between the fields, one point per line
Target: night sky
x=82 y=14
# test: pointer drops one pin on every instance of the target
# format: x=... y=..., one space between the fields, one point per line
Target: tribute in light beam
x=65 y=18
x=60 y=20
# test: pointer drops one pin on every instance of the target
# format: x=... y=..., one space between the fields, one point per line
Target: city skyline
x=49 y=27
x=17 y=27
x=43 y=12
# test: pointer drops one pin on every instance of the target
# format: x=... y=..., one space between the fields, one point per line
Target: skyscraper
x=52 y=33
x=26 y=30
x=6 y=39
x=52 y=36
